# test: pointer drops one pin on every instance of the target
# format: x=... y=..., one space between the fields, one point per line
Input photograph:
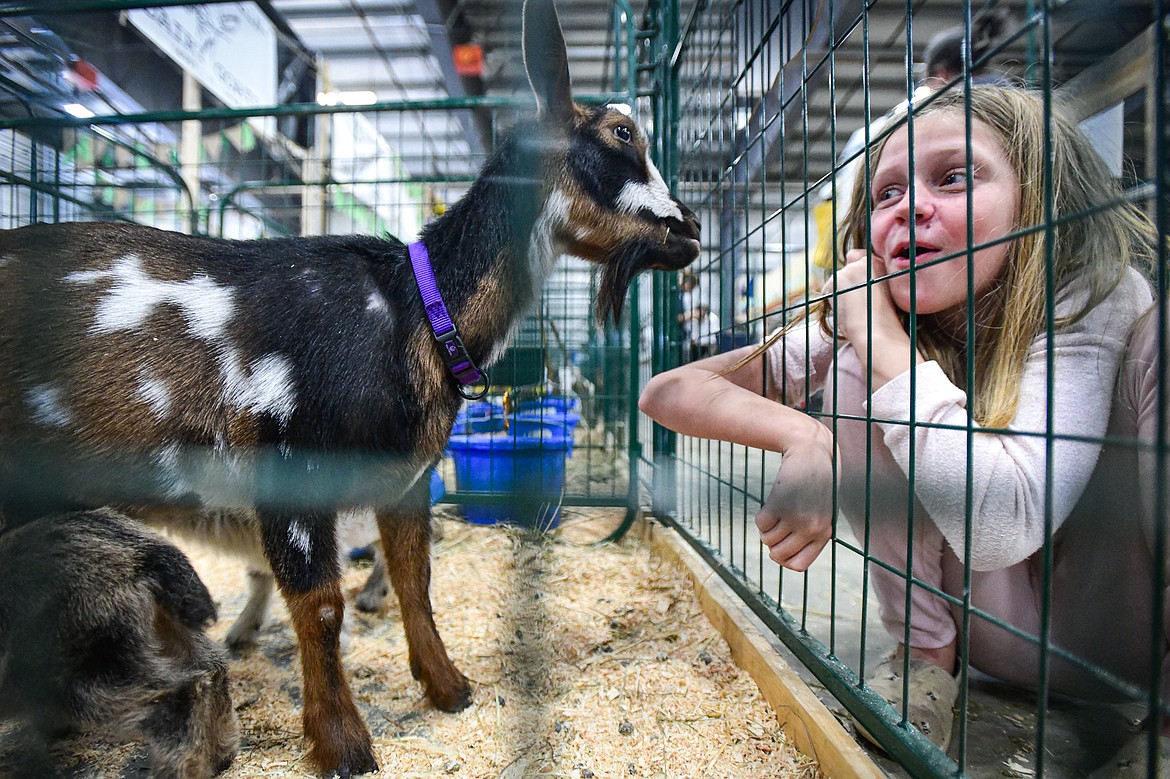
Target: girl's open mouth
x=922 y=253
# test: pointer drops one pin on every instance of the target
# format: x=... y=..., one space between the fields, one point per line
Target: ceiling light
x=78 y=110
x=358 y=97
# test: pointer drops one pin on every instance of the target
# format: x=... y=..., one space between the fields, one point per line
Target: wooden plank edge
x=801 y=714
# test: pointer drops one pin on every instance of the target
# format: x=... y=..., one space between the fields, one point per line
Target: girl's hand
x=868 y=319
x=796 y=521
x=852 y=312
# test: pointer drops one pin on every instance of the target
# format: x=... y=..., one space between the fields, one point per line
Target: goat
x=232 y=372
x=101 y=625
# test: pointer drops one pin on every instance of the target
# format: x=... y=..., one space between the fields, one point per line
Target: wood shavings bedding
x=585 y=662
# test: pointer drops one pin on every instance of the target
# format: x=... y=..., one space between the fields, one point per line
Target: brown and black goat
x=101 y=626
x=237 y=372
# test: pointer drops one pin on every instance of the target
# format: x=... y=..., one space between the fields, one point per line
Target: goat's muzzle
x=680 y=241
x=675 y=246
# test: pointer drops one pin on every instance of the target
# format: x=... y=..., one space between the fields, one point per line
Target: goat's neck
x=494 y=249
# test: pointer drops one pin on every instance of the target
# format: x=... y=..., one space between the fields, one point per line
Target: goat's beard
x=616 y=275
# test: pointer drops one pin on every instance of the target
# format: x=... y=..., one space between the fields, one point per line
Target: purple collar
x=454 y=353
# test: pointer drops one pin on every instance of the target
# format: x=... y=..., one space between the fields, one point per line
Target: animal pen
x=750 y=107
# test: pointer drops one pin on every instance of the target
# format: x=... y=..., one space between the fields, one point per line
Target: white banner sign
x=229 y=48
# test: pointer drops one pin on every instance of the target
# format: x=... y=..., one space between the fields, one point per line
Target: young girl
x=953 y=334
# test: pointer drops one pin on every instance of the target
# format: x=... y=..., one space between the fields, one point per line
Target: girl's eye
x=887 y=193
x=955 y=178
x=623 y=133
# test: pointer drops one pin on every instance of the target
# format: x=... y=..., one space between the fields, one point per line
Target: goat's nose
x=690 y=221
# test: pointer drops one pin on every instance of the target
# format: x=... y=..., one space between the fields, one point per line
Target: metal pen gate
x=308 y=168
x=766 y=96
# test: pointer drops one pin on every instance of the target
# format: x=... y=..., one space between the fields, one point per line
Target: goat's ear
x=546 y=61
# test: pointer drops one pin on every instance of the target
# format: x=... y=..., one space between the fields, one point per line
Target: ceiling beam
x=448 y=27
x=308 y=10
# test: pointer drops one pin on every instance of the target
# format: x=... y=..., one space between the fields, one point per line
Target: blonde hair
x=1096 y=235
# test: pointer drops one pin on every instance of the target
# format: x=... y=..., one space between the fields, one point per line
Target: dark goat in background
x=234 y=373
x=101 y=626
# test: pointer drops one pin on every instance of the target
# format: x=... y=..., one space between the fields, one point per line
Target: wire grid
x=767 y=95
x=71 y=174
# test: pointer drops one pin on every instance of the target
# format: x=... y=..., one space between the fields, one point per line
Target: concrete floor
x=1001 y=720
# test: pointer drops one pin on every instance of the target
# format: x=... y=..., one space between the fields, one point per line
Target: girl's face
x=941 y=191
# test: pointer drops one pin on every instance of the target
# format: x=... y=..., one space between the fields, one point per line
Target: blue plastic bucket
x=550 y=403
x=479 y=417
x=552 y=412
x=438 y=488
x=528 y=465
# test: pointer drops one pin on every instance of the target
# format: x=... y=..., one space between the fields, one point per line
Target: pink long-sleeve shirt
x=1013 y=478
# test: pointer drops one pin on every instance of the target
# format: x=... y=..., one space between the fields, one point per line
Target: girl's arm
x=795 y=521
x=695 y=400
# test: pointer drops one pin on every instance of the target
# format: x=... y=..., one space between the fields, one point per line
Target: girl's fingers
x=774 y=534
x=793 y=552
x=806 y=556
x=766 y=523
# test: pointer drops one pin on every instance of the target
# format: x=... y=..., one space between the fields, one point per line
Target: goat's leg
x=376 y=591
x=302 y=550
x=406 y=541
x=247 y=625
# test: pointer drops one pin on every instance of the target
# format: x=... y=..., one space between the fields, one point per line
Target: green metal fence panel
x=779 y=107
x=89 y=173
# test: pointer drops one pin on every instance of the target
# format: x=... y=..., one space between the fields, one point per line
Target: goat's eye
x=623 y=133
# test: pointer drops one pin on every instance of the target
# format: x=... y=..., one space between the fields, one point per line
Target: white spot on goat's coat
x=654 y=195
x=166 y=458
x=376 y=304
x=48 y=406
x=155 y=394
x=543 y=252
x=298 y=536
x=264 y=386
x=218 y=476
x=133 y=295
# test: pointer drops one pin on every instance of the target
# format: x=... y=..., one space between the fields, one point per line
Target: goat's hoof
x=339 y=741
x=370 y=767
x=453 y=701
x=372 y=602
x=242 y=637
x=355 y=764
x=239 y=647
